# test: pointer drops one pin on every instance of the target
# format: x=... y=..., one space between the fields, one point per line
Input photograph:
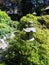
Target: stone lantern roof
x=29 y=29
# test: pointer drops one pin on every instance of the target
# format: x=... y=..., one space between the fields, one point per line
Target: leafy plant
x=6 y=24
x=22 y=52
x=44 y=20
x=26 y=20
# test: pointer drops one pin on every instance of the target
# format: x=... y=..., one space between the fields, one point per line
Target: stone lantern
x=30 y=30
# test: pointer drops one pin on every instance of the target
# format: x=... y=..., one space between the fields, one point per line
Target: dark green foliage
x=23 y=52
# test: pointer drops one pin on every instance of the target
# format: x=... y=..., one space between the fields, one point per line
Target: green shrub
x=15 y=24
x=32 y=17
x=22 y=51
x=42 y=36
x=4 y=18
x=25 y=20
x=44 y=20
x=6 y=30
x=27 y=53
x=6 y=24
